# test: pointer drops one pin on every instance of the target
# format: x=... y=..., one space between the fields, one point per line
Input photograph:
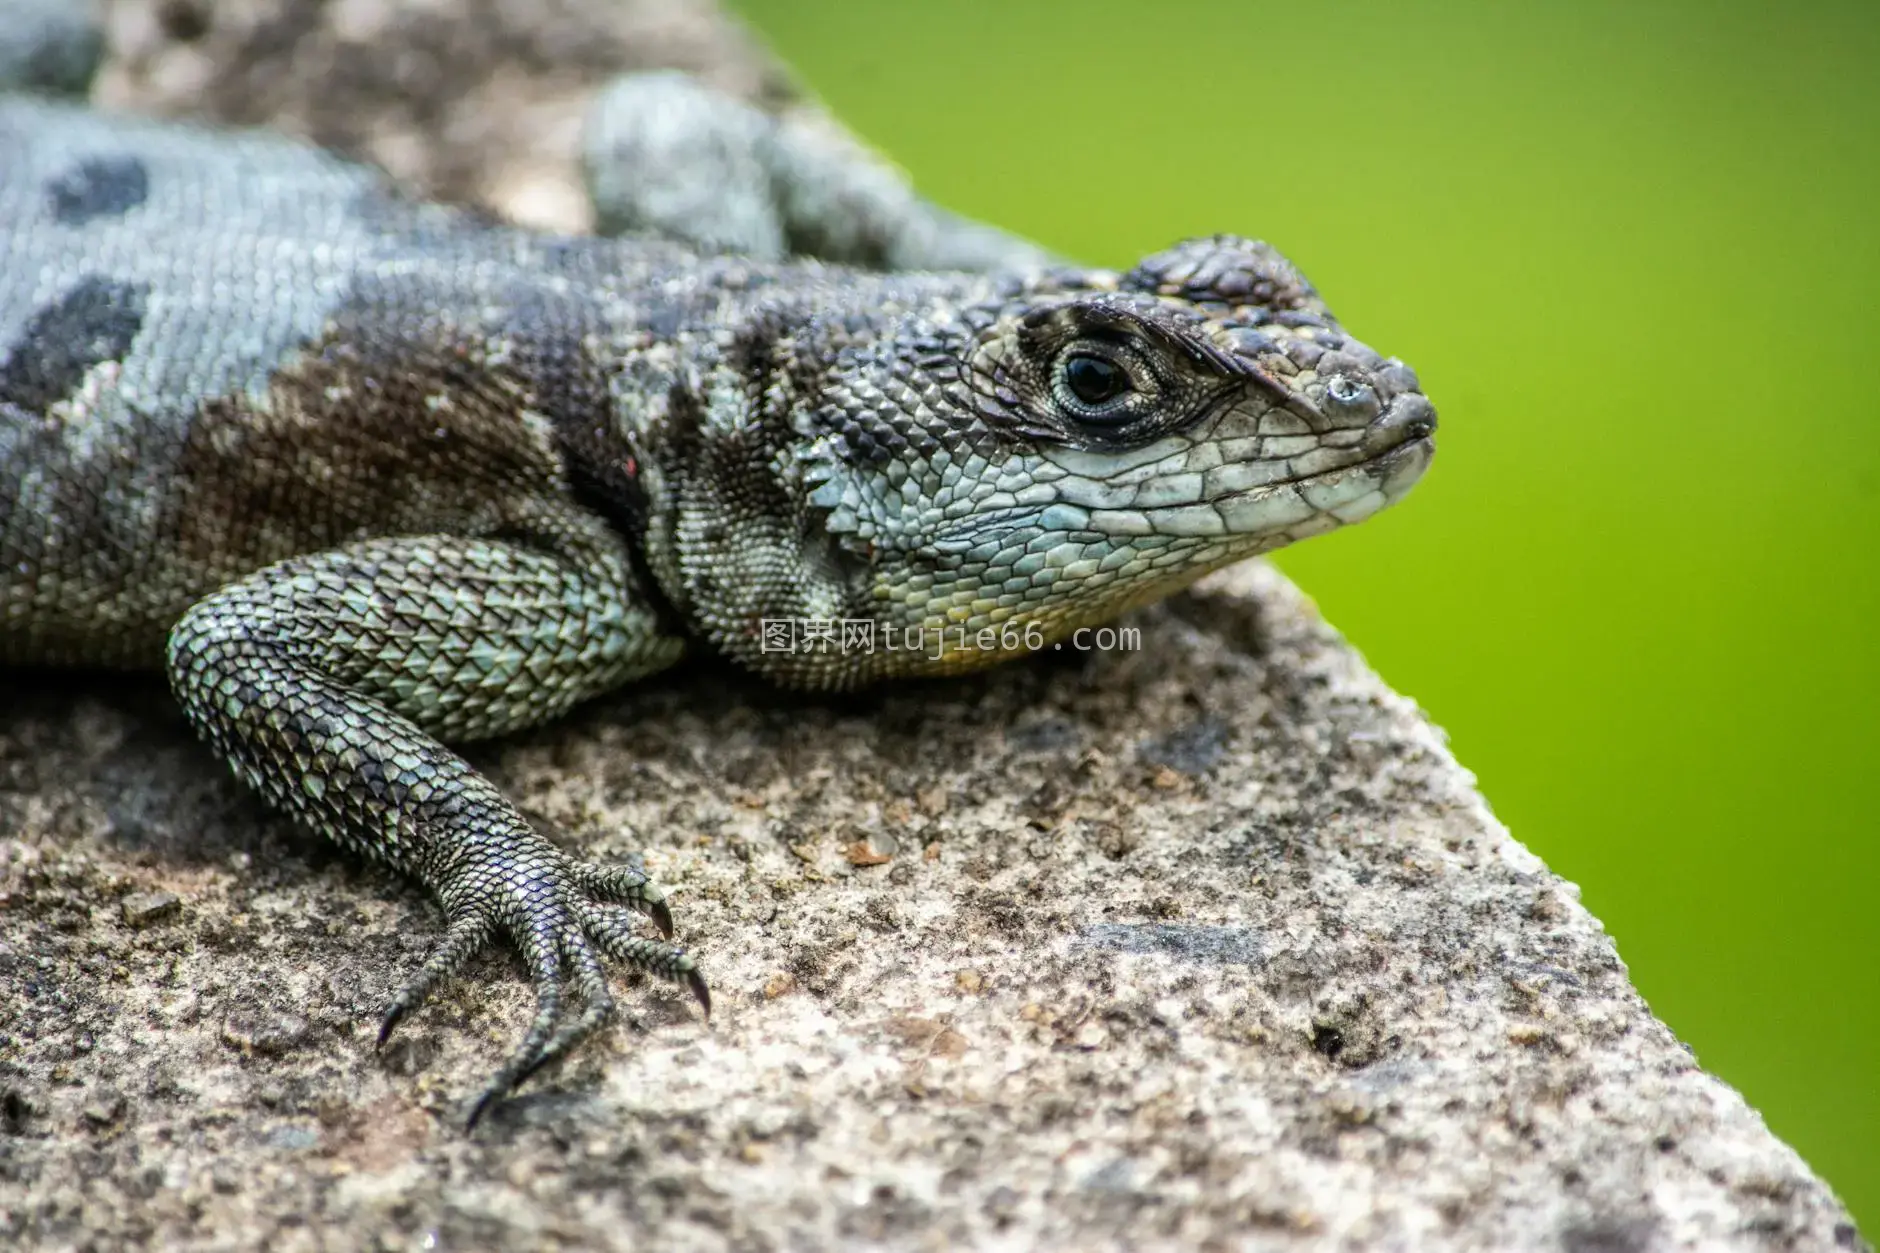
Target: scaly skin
x=370 y=478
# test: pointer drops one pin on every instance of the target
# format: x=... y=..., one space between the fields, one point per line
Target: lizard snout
x=1409 y=416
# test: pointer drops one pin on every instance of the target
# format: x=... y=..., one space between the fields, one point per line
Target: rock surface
x=471 y=101
x=1203 y=943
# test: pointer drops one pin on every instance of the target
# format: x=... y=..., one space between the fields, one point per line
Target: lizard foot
x=564 y=915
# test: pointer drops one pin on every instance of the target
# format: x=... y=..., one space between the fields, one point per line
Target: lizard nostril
x=1412 y=414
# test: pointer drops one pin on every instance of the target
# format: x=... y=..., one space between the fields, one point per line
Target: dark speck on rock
x=1044 y=735
x=1213 y=945
x=15 y=1110
x=1609 y=1235
x=1193 y=749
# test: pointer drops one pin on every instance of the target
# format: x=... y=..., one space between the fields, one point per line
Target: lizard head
x=999 y=474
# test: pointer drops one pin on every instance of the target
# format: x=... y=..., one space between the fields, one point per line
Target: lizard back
x=221 y=350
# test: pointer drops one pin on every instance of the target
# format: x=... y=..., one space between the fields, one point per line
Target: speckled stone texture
x=1205 y=944
x=1208 y=944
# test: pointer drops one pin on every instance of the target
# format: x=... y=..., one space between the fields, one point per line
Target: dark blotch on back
x=97 y=188
x=92 y=323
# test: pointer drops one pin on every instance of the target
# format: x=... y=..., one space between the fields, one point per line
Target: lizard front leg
x=329 y=682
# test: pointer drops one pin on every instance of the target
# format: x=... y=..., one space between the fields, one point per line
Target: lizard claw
x=588 y=928
x=572 y=914
x=626 y=885
x=392 y=1016
x=467 y=934
x=483 y=1102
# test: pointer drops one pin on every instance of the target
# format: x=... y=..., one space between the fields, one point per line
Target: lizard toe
x=466 y=936
x=540 y=941
x=626 y=885
x=564 y=933
x=611 y=929
x=598 y=1006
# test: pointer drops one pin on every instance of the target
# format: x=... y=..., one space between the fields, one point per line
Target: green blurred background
x=1631 y=249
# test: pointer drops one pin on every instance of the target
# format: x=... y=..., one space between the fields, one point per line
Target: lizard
x=369 y=478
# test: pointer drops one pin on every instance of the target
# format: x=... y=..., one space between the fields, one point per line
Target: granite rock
x=1200 y=941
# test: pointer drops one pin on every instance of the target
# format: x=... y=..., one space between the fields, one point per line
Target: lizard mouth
x=1385 y=461
x=1250 y=501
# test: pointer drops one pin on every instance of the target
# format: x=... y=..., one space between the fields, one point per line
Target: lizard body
x=370 y=477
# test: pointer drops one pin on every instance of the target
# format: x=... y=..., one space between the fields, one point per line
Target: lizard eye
x=1095 y=382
